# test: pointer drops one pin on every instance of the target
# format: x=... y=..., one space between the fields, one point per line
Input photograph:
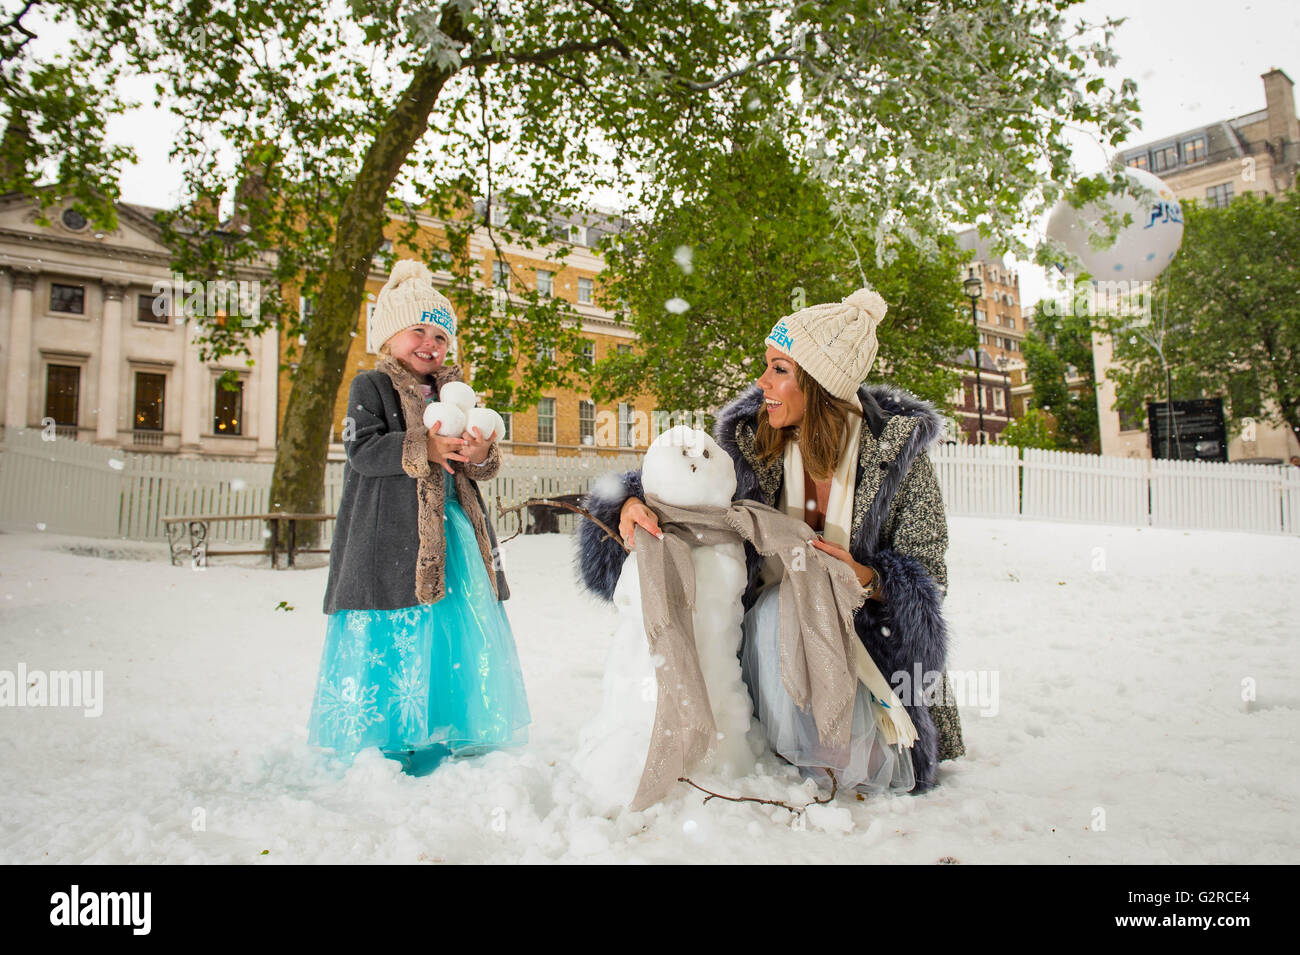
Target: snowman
x=685 y=468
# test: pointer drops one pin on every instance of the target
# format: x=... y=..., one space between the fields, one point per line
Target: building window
x=1139 y=162
x=1194 y=149
x=545 y=353
x=385 y=250
x=68 y=298
x=586 y=422
x=1128 y=422
x=958 y=397
x=584 y=291
x=623 y=349
x=626 y=429
x=588 y=354
x=999 y=399
x=228 y=410
x=1219 y=196
x=507 y=420
x=62 y=391
x=545 y=283
x=144 y=309
x=501 y=274
x=149 y=391
x=503 y=346
x=577 y=235
x=980 y=316
x=1166 y=157
x=440 y=260
x=546 y=421
x=498 y=215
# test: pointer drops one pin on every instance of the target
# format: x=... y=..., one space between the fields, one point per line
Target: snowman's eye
x=683 y=452
x=706 y=452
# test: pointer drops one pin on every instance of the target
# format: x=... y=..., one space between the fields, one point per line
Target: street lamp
x=974 y=288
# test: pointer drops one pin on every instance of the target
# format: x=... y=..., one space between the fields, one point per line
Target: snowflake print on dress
x=375 y=658
x=411 y=697
x=407 y=616
x=404 y=640
x=350 y=710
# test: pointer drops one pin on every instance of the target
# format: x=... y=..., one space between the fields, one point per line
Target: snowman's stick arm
x=547 y=502
x=797 y=810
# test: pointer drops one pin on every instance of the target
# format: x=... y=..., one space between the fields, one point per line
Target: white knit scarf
x=887 y=709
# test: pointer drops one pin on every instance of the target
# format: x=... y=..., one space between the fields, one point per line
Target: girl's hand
x=635 y=512
x=443 y=448
x=476 y=446
x=862 y=571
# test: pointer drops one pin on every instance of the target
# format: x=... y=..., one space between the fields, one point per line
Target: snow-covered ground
x=1116 y=731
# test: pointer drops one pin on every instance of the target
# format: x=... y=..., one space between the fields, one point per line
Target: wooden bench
x=197 y=527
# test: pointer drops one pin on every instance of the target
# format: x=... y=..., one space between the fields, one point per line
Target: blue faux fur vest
x=899 y=528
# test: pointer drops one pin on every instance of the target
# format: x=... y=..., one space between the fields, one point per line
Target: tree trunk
x=298 y=481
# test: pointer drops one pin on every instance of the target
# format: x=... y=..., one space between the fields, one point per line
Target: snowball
x=116 y=464
x=452 y=418
x=487 y=421
x=459 y=394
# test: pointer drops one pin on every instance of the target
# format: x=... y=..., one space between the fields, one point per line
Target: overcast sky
x=1195 y=62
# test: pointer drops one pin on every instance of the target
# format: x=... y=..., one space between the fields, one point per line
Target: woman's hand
x=864 y=573
x=476 y=446
x=445 y=448
x=635 y=512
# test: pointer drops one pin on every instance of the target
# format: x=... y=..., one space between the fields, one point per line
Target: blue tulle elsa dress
x=428 y=681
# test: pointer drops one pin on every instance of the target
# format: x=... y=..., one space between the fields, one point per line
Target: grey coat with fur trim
x=376 y=533
x=899 y=528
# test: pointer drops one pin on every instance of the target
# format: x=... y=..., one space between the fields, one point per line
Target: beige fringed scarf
x=819 y=597
x=895 y=725
x=431 y=559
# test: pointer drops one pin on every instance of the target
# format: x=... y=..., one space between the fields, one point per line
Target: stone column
x=193 y=381
x=20 y=351
x=110 y=360
x=6 y=306
x=268 y=394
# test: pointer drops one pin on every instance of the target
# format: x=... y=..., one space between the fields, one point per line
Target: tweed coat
x=899 y=528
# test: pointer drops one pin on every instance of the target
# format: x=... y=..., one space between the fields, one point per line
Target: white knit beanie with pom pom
x=836 y=342
x=409 y=298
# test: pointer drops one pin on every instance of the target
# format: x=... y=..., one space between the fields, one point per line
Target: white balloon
x=1142 y=250
x=487 y=421
x=452 y=418
x=459 y=394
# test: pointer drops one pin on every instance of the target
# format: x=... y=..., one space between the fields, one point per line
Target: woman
x=849 y=460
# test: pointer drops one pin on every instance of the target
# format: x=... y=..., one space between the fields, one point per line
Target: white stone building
x=83 y=350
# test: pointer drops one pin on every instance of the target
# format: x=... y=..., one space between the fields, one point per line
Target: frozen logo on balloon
x=1165 y=211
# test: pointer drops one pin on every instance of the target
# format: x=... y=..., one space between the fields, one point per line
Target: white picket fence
x=69 y=487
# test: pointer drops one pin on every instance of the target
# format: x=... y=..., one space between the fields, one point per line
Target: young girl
x=419 y=658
